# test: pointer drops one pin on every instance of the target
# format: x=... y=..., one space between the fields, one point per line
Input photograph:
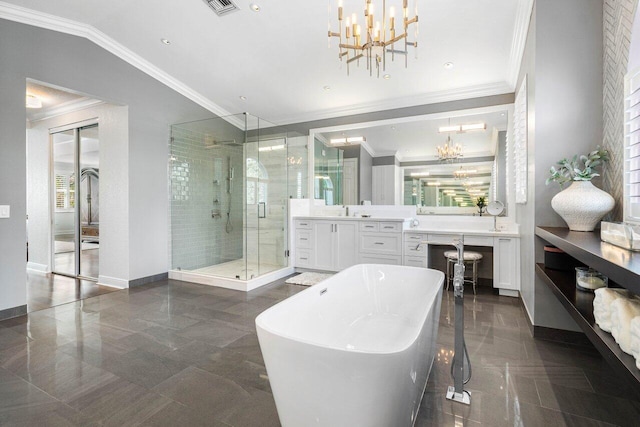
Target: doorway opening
x=63 y=196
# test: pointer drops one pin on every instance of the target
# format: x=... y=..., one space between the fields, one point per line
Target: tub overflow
x=324 y=291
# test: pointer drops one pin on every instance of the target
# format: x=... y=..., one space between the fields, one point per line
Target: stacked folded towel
x=635 y=340
x=602 y=305
x=623 y=310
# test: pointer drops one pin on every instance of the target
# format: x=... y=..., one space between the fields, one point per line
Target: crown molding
x=47 y=21
x=65 y=108
x=368 y=148
x=490 y=89
x=519 y=41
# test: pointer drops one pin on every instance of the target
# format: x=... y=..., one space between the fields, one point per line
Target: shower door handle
x=262 y=210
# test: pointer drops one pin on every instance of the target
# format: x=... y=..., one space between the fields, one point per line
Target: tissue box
x=624 y=235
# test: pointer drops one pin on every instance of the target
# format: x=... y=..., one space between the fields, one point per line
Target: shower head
x=218 y=144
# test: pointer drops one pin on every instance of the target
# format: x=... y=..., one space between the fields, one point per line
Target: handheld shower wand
x=460 y=366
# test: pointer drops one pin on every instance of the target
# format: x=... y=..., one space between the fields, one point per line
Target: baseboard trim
x=528 y=316
x=149 y=279
x=561 y=335
x=10 y=313
x=113 y=282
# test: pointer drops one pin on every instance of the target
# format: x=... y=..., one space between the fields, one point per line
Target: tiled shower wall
x=199 y=176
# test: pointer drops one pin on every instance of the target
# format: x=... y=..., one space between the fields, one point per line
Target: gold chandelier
x=377 y=41
x=449 y=152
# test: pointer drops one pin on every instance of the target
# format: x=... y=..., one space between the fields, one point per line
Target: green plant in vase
x=581 y=205
x=481 y=203
x=571 y=171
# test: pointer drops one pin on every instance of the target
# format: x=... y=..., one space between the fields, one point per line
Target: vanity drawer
x=448 y=239
x=382 y=243
x=303 y=238
x=417 y=238
x=368 y=226
x=415 y=261
x=303 y=258
x=380 y=259
x=303 y=223
x=389 y=226
x=410 y=249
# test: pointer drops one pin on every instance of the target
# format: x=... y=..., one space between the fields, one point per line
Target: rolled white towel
x=622 y=311
x=635 y=339
x=602 y=305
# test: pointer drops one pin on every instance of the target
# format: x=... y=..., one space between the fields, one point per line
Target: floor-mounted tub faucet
x=461 y=364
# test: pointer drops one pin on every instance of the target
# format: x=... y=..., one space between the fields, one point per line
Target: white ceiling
x=279 y=60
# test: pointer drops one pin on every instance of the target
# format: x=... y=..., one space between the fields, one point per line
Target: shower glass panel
x=64 y=203
x=271 y=212
x=228 y=179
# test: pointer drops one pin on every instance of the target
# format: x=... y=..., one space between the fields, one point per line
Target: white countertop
x=470 y=232
x=352 y=218
x=423 y=228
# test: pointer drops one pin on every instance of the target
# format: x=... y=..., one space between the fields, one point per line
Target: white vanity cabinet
x=380 y=242
x=303 y=242
x=506 y=254
x=415 y=256
x=506 y=265
x=333 y=245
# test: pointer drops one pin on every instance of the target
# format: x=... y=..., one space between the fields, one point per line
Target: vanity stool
x=469 y=257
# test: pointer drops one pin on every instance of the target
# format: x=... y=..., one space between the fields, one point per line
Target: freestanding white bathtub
x=354 y=350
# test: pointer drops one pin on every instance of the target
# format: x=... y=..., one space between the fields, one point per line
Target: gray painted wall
x=365 y=192
x=75 y=63
x=563 y=60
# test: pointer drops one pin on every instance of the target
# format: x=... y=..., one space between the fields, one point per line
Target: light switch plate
x=4 y=211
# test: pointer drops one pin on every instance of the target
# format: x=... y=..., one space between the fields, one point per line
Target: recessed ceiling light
x=165 y=41
x=255 y=7
x=242 y=97
x=448 y=65
x=33 y=101
x=326 y=87
x=386 y=76
x=502 y=114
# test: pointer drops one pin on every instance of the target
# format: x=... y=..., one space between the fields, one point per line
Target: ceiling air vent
x=221 y=7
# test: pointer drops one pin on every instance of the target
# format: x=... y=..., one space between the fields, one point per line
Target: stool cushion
x=468 y=255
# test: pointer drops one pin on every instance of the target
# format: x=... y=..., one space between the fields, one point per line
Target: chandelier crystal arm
x=380 y=37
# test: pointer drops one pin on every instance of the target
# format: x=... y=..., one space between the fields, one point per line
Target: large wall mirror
x=397 y=161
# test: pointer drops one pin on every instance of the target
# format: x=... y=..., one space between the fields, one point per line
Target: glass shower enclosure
x=229 y=191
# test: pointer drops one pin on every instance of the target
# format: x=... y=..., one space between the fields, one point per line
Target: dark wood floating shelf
x=579 y=304
x=620 y=265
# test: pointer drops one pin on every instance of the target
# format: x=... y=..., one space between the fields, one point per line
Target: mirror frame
x=509 y=108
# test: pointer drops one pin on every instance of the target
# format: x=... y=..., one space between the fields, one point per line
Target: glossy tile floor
x=178 y=354
x=48 y=290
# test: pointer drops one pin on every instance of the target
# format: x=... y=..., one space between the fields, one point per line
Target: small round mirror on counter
x=495 y=209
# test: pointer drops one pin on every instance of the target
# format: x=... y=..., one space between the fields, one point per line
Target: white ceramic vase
x=582 y=205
